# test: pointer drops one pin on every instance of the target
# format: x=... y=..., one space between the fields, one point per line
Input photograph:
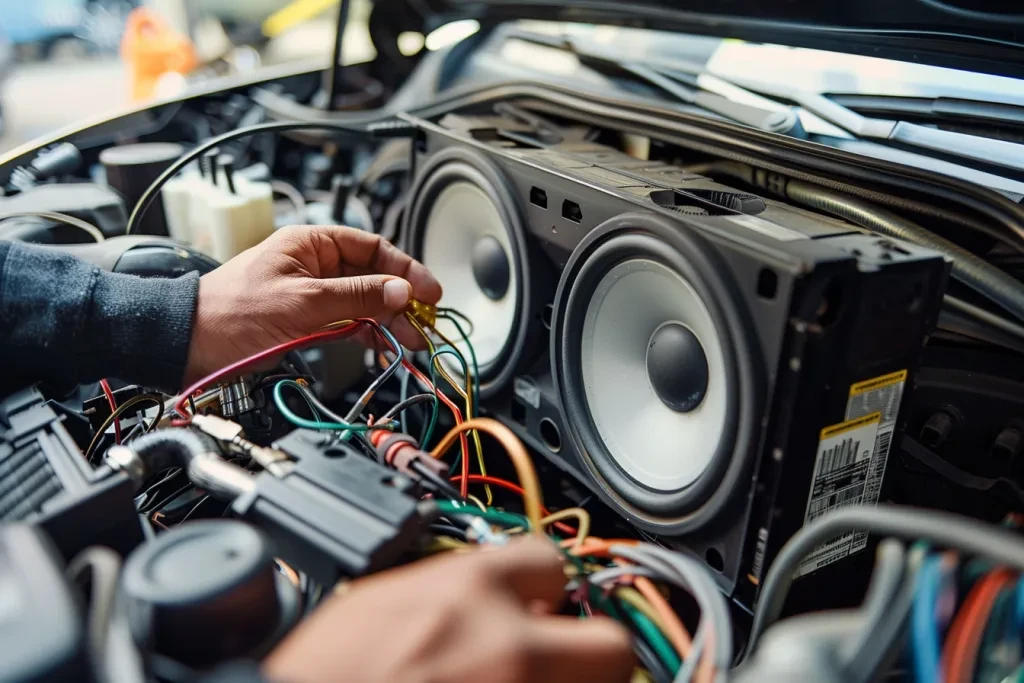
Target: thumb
x=364 y=296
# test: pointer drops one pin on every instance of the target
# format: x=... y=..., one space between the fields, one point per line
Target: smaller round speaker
x=463 y=224
x=655 y=372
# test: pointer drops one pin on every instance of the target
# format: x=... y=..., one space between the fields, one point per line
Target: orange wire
x=596 y=547
x=968 y=629
x=674 y=629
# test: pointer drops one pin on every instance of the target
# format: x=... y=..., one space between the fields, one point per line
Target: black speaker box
x=717 y=367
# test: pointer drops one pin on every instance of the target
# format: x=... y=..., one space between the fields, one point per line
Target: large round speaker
x=656 y=371
x=464 y=225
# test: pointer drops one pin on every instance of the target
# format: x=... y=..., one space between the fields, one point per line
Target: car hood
x=973 y=35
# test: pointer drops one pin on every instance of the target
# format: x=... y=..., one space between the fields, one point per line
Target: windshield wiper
x=764 y=115
x=938 y=109
x=707 y=88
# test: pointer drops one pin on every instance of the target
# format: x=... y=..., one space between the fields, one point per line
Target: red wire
x=463 y=440
x=105 y=386
x=964 y=638
x=514 y=488
x=237 y=367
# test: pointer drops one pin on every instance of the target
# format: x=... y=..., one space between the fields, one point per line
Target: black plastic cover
x=337 y=513
x=95 y=204
x=207 y=592
x=42 y=635
x=45 y=480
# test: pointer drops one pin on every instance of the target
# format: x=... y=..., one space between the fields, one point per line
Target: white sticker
x=851 y=461
x=527 y=391
x=773 y=230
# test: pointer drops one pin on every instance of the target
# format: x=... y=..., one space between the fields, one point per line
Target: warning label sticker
x=851 y=460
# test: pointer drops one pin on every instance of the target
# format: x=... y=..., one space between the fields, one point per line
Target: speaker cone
x=654 y=372
x=464 y=226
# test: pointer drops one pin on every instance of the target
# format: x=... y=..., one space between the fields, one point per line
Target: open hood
x=975 y=35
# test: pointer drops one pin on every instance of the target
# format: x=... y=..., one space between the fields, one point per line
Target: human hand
x=295 y=282
x=485 y=615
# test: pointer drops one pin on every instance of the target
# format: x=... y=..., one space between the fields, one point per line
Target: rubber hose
x=976 y=273
x=198 y=455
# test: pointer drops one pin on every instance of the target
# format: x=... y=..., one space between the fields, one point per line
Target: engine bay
x=782 y=381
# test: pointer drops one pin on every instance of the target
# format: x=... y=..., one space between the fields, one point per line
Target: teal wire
x=510 y=519
x=653 y=635
x=302 y=422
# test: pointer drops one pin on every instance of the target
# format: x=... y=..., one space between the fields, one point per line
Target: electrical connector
x=425 y=314
x=270 y=459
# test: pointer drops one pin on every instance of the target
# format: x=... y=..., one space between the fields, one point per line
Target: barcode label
x=851 y=461
x=839 y=456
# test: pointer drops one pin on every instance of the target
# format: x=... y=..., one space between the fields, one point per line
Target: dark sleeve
x=63 y=320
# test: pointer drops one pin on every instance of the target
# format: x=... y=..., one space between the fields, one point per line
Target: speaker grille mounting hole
x=767 y=284
x=571 y=211
x=714 y=559
x=538 y=197
x=550 y=434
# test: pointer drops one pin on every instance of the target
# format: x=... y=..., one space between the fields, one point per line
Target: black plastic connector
x=45 y=480
x=336 y=513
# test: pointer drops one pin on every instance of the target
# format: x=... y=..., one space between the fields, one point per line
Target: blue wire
x=924 y=624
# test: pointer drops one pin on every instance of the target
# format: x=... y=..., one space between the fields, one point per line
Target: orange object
x=151 y=49
x=965 y=635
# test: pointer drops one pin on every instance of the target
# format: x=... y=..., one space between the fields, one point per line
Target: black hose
x=976 y=273
x=167 y=448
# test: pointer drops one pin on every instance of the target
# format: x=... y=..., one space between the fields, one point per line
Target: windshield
x=814 y=70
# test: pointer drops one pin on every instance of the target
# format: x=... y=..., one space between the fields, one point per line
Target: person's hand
x=295 y=282
x=485 y=615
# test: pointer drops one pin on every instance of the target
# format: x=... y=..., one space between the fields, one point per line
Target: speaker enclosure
x=799 y=300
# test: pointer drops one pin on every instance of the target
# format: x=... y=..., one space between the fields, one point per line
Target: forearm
x=65 y=321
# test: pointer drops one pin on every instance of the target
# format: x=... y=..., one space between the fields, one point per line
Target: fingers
x=364 y=296
x=596 y=650
x=531 y=569
x=368 y=252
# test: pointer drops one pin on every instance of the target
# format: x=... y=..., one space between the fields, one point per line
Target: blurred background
x=66 y=62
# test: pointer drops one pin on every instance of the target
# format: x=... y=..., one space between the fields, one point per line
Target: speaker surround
x=464 y=225
x=632 y=280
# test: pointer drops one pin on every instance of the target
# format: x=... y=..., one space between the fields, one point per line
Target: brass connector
x=425 y=314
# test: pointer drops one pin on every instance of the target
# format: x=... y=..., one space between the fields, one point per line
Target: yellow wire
x=478 y=502
x=469 y=413
x=465 y=394
x=580 y=514
x=633 y=597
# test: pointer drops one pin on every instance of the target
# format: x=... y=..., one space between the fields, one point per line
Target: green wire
x=653 y=635
x=302 y=422
x=510 y=519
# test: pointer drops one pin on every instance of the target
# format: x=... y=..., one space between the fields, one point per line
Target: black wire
x=194 y=508
x=407 y=403
x=166 y=501
x=147 y=198
x=192 y=404
x=438 y=484
x=267 y=380
x=449 y=530
x=451 y=313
